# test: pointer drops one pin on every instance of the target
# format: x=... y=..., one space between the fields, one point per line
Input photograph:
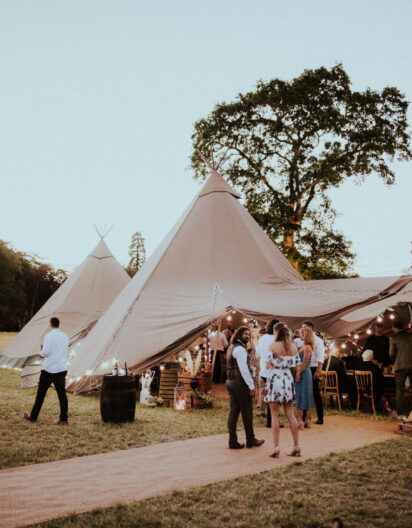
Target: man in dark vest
x=241 y=390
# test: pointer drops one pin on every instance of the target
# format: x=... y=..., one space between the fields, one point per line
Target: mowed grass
x=22 y=442
x=368 y=488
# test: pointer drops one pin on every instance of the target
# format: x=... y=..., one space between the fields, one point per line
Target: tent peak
x=216 y=183
x=102 y=232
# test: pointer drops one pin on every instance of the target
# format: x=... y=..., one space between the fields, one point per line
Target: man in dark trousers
x=54 y=371
x=379 y=344
x=241 y=390
x=401 y=352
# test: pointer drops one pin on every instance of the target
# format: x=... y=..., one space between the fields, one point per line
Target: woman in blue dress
x=303 y=380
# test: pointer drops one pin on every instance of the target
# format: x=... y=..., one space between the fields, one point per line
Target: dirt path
x=40 y=492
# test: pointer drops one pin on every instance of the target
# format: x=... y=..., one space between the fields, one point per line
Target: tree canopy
x=26 y=284
x=289 y=142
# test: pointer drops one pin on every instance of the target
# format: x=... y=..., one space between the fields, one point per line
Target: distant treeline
x=25 y=285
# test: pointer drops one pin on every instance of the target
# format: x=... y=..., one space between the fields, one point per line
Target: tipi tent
x=215 y=259
x=79 y=302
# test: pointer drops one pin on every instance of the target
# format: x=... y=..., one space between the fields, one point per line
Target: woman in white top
x=280 y=387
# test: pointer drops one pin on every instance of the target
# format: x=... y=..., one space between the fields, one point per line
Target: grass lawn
x=368 y=488
x=24 y=443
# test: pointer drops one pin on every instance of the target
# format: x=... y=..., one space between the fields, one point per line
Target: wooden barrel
x=118 y=399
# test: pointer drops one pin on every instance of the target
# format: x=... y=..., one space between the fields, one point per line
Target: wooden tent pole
x=215 y=350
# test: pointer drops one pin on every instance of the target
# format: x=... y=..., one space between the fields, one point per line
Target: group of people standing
x=290 y=368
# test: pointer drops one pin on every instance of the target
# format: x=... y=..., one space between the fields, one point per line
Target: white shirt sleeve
x=240 y=354
x=320 y=350
x=224 y=340
x=45 y=351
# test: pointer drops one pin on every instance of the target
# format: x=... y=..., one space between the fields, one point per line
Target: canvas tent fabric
x=216 y=258
x=79 y=302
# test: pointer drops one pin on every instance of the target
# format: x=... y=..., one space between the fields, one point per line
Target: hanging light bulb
x=197 y=347
x=343 y=345
x=392 y=316
x=162 y=367
x=379 y=319
x=369 y=331
x=229 y=318
x=180 y=360
x=356 y=336
x=245 y=320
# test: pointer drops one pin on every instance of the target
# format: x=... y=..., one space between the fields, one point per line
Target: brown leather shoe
x=255 y=443
x=27 y=417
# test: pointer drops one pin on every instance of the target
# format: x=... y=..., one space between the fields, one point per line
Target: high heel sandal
x=275 y=453
x=296 y=452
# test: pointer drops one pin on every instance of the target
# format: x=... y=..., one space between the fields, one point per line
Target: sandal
x=275 y=453
x=296 y=452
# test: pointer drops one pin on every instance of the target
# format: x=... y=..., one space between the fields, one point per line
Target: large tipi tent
x=216 y=258
x=79 y=302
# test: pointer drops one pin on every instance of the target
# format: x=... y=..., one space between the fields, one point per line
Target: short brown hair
x=55 y=323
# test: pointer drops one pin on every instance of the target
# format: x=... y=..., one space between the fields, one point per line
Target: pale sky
x=98 y=101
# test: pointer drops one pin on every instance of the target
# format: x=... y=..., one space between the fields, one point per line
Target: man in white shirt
x=316 y=363
x=262 y=350
x=54 y=371
x=221 y=344
x=241 y=390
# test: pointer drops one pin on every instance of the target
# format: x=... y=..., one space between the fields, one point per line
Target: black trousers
x=317 y=396
x=240 y=402
x=59 y=382
x=217 y=372
x=268 y=413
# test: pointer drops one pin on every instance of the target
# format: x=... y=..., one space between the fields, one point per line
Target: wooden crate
x=405 y=428
x=204 y=383
x=168 y=382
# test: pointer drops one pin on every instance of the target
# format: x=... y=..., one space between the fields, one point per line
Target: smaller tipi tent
x=79 y=302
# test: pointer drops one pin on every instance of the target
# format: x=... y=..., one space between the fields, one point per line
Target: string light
x=379 y=319
x=180 y=360
x=229 y=318
x=197 y=347
x=162 y=367
x=356 y=336
x=392 y=316
x=369 y=331
x=343 y=345
x=245 y=319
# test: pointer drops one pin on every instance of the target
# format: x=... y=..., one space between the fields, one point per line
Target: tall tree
x=26 y=284
x=137 y=254
x=290 y=142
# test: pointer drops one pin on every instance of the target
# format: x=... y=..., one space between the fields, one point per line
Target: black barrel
x=118 y=399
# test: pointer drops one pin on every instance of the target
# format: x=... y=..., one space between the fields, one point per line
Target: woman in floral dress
x=280 y=387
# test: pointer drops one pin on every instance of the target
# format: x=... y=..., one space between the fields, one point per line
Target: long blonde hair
x=308 y=337
x=283 y=335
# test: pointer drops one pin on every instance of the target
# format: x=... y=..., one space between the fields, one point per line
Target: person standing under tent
x=379 y=344
x=219 y=342
x=401 y=352
x=280 y=387
x=316 y=362
x=241 y=390
x=303 y=380
x=262 y=349
x=54 y=371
